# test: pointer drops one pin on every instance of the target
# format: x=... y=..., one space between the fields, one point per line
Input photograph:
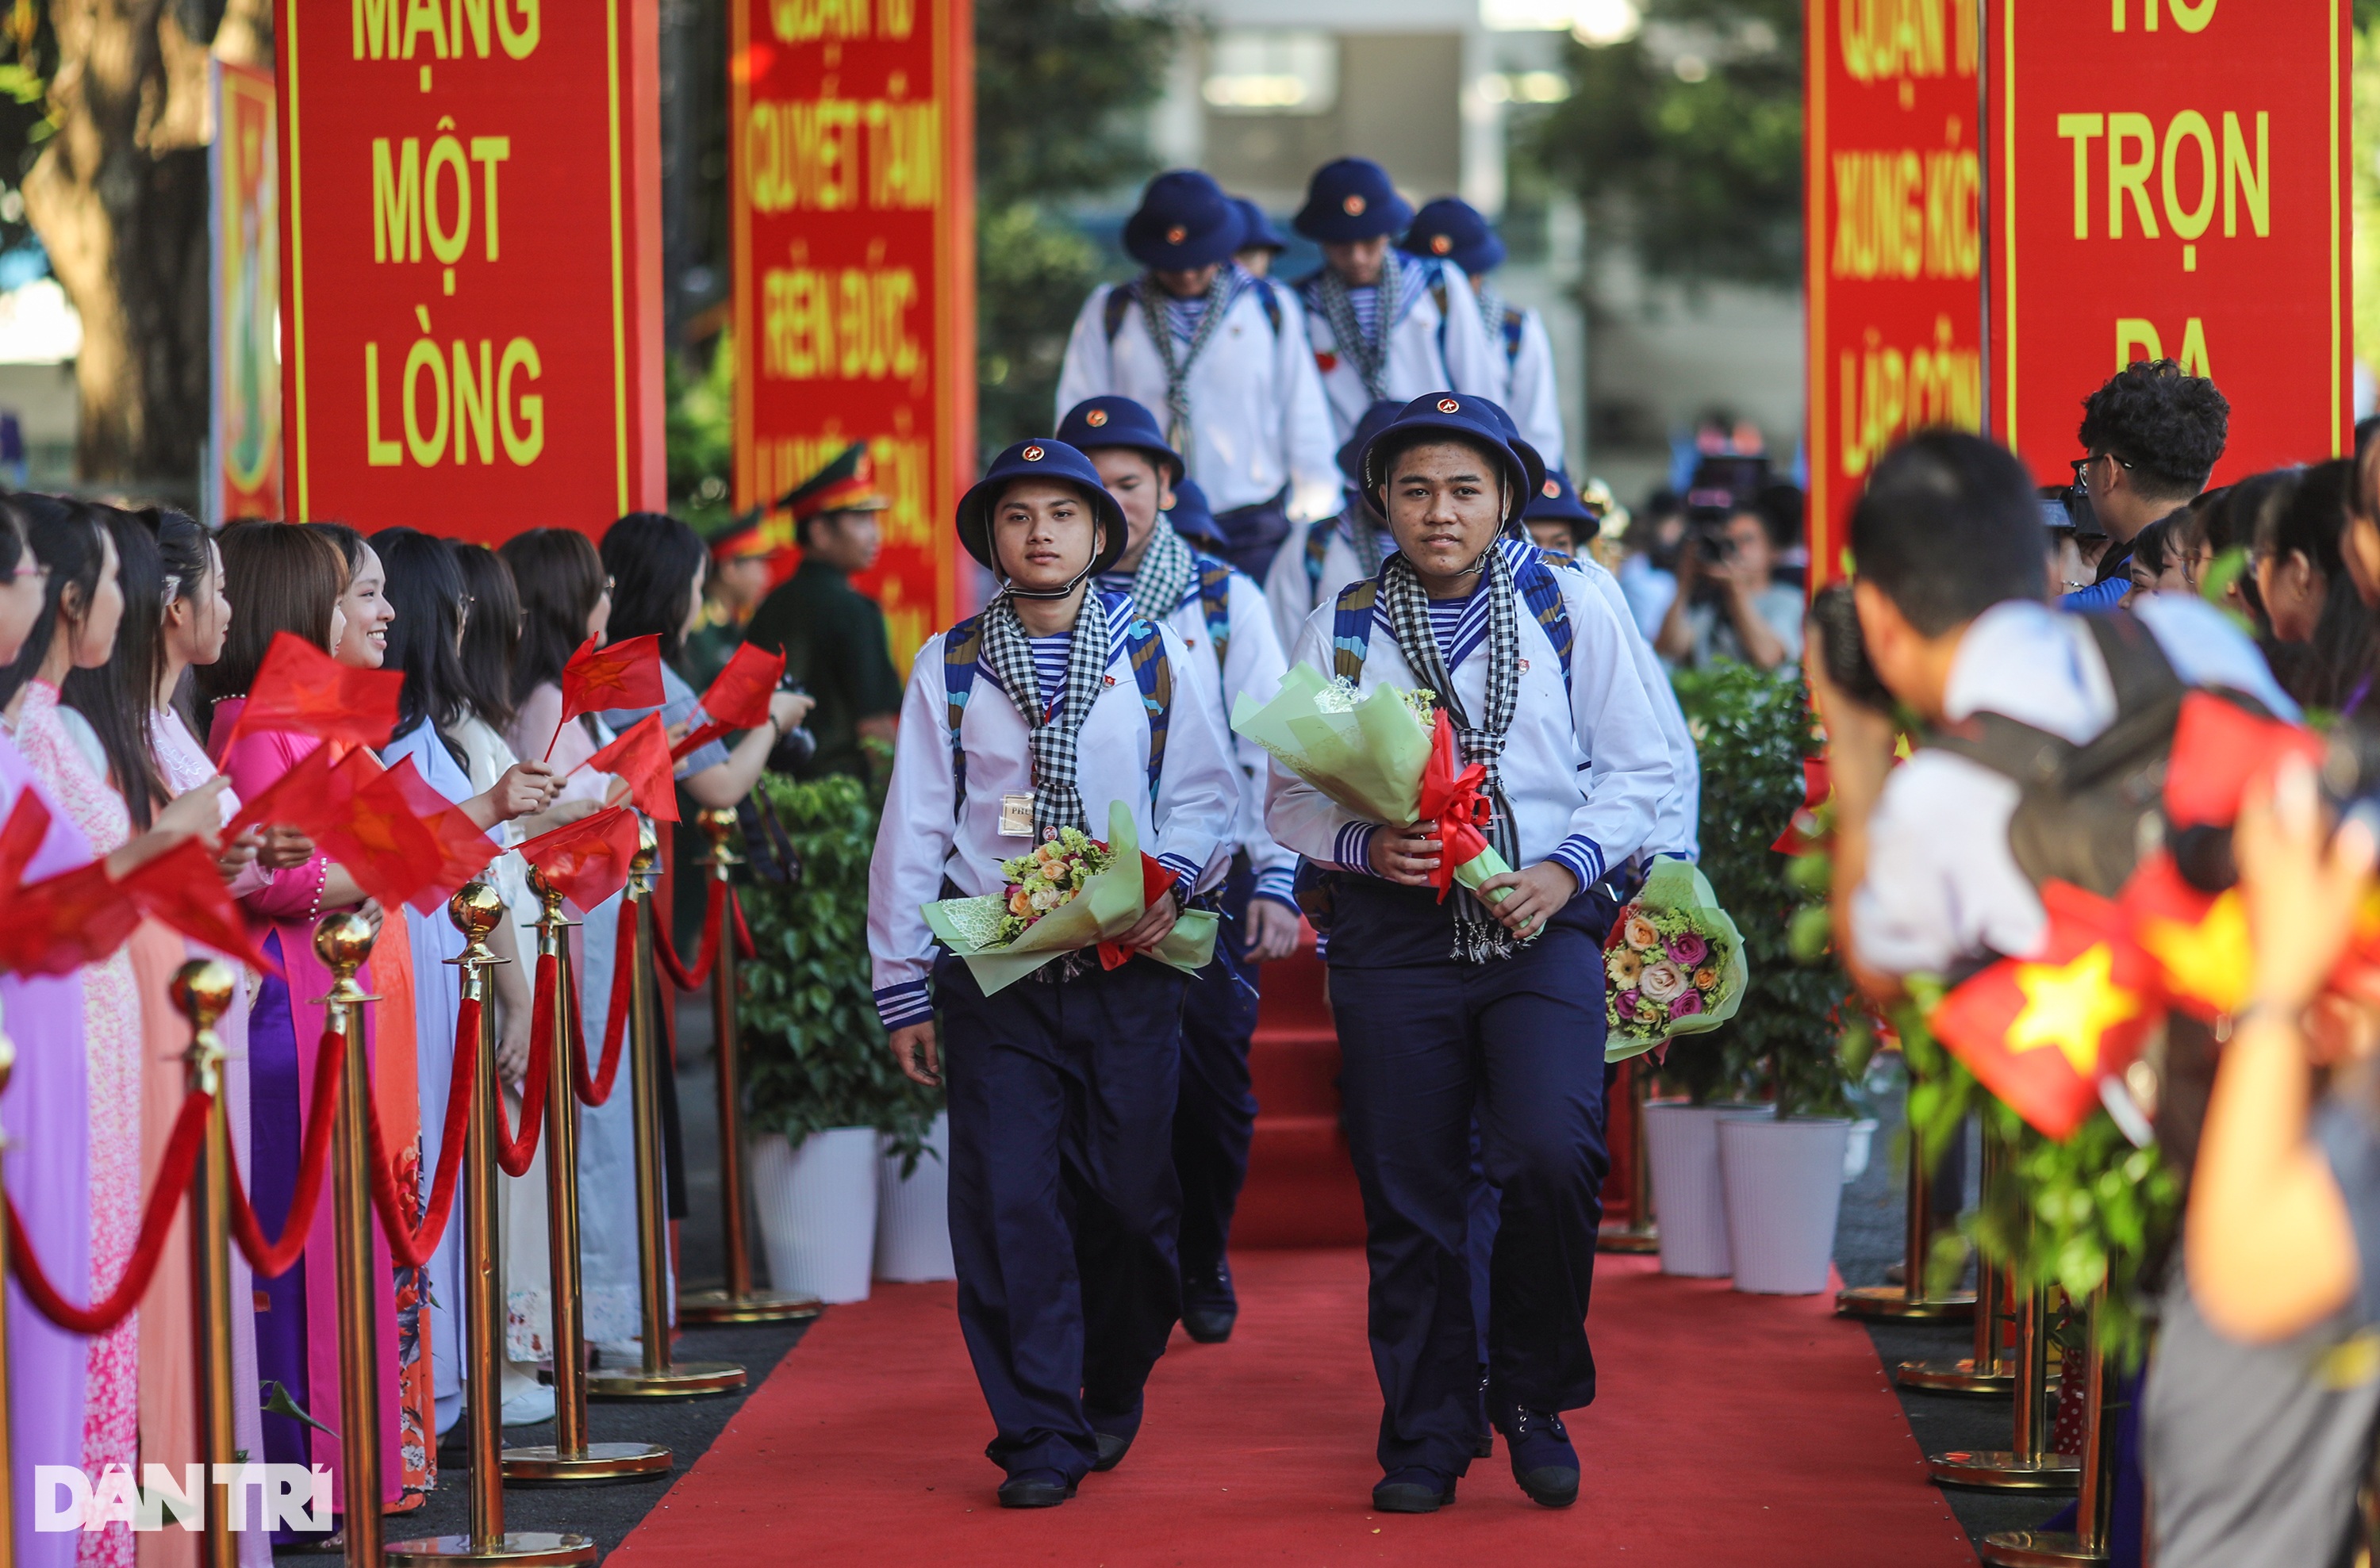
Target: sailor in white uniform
x=1384 y=324
x=1220 y=356
x=1448 y=1009
x=1039 y=714
x=1221 y=618
x=1450 y=229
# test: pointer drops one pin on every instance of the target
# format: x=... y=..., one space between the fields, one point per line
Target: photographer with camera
x=1729 y=603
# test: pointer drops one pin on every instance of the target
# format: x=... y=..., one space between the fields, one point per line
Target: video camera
x=1722 y=486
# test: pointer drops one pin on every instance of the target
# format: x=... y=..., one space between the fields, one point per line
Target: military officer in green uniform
x=744 y=567
x=831 y=635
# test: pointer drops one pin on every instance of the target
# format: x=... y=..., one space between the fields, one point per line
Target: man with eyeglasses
x=2152 y=435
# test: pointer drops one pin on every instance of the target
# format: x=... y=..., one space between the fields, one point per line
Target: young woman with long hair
x=81 y=611
x=282 y=578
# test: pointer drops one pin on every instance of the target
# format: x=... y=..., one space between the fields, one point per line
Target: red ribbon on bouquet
x=1450 y=797
x=1155 y=878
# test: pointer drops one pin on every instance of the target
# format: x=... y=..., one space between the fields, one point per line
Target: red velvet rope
x=172 y=1181
x=680 y=976
x=744 y=949
x=272 y=1260
x=514 y=1151
x=411 y=1244
x=595 y=1092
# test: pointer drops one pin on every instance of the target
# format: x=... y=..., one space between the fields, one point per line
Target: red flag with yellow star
x=2218 y=747
x=2198 y=940
x=639 y=758
x=587 y=859
x=303 y=689
x=625 y=674
x=464 y=850
x=2040 y=1032
x=375 y=835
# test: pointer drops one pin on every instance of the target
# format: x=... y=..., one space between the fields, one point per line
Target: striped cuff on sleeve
x=902 y=1004
x=1278 y=884
x=1582 y=857
x=1185 y=875
x=1353 y=848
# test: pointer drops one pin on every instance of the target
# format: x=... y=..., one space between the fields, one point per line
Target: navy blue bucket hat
x=1554 y=501
x=1533 y=462
x=1110 y=420
x=1256 y=229
x=1351 y=199
x=1184 y=222
x=1450 y=229
x=1050 y=460
x=1375 y=420
x=1450 y=415
x=1192 y=518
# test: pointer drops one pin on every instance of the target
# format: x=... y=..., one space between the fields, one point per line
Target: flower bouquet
x=1673 y=964
x=1062 y=897
x=1388 y=757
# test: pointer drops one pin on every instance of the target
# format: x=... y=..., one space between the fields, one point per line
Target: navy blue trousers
x=1426 y=1043
x=1064 y=1200
x=1216 y=1116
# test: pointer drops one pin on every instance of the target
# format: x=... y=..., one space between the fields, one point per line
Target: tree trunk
x=119 y=198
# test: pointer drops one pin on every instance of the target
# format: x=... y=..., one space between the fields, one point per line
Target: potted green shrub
x=823 y=1101
x=1780 y=1167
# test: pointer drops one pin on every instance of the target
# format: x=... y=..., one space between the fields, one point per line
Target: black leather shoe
x=1543 y=1461
x=1111 y=1450
x=1414 y=1491
x=1209 y=1325
x=1036 y=1488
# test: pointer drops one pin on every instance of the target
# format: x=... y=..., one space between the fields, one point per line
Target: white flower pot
x=1682 y=1147
x=1784 y=1191
x=1859 y=1149
x=913 y=1217
x=816 y=1207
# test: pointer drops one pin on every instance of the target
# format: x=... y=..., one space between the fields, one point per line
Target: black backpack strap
x=1118 y=305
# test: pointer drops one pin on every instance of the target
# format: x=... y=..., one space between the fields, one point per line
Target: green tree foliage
x=814 y=1053
x=1753 y=731
x=1058 y=87
x=701 y=434
x=1684 y=141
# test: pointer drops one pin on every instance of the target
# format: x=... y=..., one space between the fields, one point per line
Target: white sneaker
x=529 y=1407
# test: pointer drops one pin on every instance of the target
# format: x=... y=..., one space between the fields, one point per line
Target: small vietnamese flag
x=626 y=674
x=739 y=697
x=303 y=793
x=2218 y=747
x=464 y=851
x=588 y=858
x=375 y=837
x=20 y=838
x=640 y=758
x=1802 y=832
x=2040 y=1034
x=183 y=889
x=62 y=922
x=301 y=689
x=2200 y=941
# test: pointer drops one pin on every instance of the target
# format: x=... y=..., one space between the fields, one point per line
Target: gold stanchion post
x=1909 y=1301
x=2027 y=1464
x=344 y=941
x=660 y=1377
x=738 y=1303
x=1637 y=1232
x=202 y=990
x=569 y=1458
x=475 y=911
x=1986 y=1372
x=2094 y=1510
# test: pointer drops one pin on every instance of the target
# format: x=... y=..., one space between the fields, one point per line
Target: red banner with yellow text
x=1891 y=191
x=851 y=130
x=2169 y=179
x=472 y=262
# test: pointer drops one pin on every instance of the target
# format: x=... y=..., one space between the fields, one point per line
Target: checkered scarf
x=1370 y=355
x=1477 y=935
x=1162 y=580
x=1491 y=313
x=1219 y=299
x=1057 y=799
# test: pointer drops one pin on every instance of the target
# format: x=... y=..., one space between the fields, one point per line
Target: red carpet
x=1731 y=1429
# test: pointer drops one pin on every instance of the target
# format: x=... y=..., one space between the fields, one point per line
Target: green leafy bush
x=814 y=1053
x=1753 y=730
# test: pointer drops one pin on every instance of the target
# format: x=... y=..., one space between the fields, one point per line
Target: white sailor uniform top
x=1223 y=612
x=1585 y=765
x=1430 y=349
x=1257 y=417
x=926 y=836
